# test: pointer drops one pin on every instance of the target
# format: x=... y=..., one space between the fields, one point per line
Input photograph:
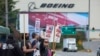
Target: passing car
x=69 y=44
x=72 y=47
x=98 y=52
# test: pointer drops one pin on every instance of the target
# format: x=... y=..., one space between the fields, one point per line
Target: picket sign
x=36 y=53
x=37 y=26
x=57 y=33
x=51 y=35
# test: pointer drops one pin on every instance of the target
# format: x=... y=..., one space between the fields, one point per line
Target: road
x=93 y=45
x=60 y=53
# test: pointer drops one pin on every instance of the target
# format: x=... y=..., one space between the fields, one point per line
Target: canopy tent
x=4 y=30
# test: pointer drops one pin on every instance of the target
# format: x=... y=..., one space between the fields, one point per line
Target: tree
x=12 y=13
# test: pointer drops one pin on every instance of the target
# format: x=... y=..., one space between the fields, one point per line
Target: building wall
x=95 y=18
x=94 y=15
x=24 y=5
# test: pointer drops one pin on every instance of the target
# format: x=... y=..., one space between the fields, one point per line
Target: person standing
x=44 y=48
x=10 y=48
x=36 y=51
x=0 y=49
x=0 y=45
x=35 y=44
x=35 y=38
x=27 y=48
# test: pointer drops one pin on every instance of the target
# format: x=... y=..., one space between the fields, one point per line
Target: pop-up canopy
x=4 y=30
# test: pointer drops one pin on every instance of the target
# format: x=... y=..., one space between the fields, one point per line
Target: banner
x=37 y=26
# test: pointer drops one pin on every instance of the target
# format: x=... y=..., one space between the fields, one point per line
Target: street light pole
x=6 y=14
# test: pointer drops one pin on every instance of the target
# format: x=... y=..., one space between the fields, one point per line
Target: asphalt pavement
x=93 y=45
x=79 y=53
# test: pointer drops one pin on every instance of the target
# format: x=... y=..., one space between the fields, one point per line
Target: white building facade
x=90 y=6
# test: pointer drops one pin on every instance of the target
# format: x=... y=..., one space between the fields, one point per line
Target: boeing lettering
x=56 y=5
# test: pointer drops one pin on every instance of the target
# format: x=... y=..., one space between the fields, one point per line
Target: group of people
x=37 y=46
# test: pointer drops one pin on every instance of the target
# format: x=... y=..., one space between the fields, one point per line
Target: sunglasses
x=46 y=42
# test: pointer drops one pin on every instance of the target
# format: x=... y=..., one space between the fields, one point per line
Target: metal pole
x=6 y=15
x=6 y=10
x=89 y=21
x=24 y=31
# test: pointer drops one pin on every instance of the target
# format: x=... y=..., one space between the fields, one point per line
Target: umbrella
x=4 y=30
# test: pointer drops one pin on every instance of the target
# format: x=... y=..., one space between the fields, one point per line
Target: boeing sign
x=57 y=5
x=53 y=5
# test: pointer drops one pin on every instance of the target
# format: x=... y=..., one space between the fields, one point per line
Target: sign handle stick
x=24 y=33
x=54 y=43
x=24 y=29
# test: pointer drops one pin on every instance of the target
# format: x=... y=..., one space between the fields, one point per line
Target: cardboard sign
x=37 y=25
